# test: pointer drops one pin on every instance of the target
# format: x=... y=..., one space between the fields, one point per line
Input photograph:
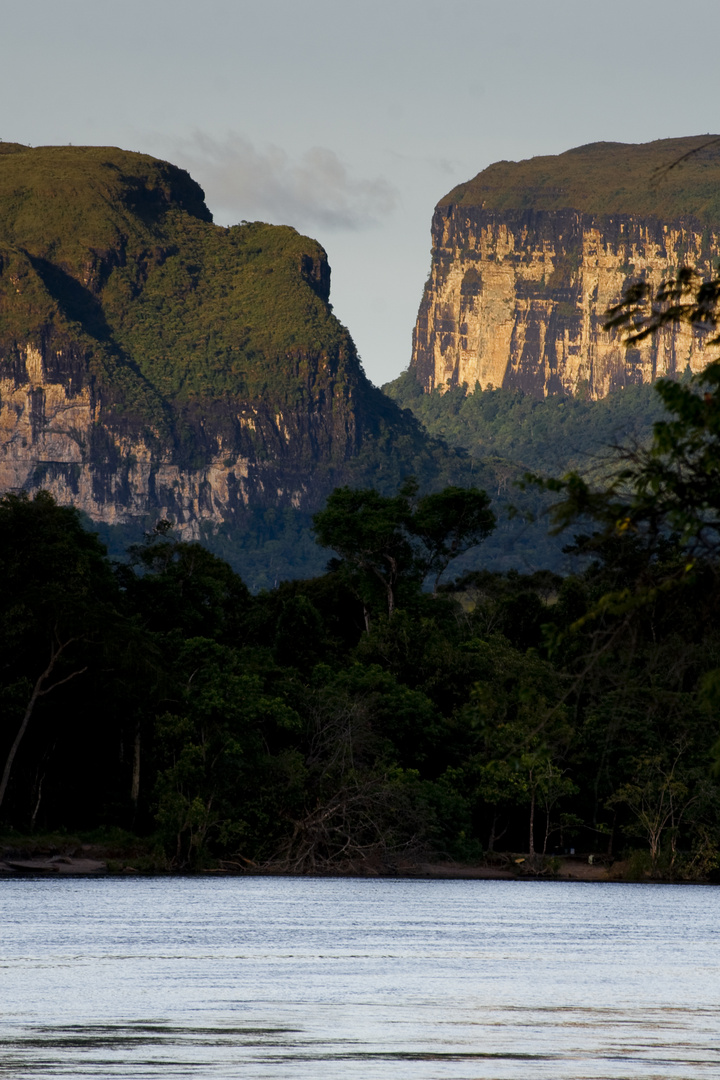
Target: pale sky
x=350 y=120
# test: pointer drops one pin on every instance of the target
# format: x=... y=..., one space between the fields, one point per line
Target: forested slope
x=507 y=434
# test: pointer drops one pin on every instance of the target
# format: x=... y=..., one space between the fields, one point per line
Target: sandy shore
x=57 y=864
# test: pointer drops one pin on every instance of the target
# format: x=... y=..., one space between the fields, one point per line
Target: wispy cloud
x=242 y=181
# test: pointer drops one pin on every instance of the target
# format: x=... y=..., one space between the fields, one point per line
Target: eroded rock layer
x=529 y=256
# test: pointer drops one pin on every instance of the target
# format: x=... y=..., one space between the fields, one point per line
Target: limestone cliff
x=528 y=257
x=153 y=364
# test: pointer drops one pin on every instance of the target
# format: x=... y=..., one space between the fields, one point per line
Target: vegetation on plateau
x=608 y=179
x=194 y=338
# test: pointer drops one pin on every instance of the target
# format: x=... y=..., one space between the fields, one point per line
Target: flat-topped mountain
x=528 y=256
x=153 y=364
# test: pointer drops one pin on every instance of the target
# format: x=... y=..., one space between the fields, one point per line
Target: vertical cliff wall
x=528 y=257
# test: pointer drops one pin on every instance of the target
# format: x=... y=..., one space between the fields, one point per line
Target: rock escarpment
x=153 y=364
x=528 y=257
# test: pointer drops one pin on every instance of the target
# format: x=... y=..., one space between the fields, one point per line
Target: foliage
x=212 y=744
x=352 y=720
x=674 y=484
x=193 y=310
x=387 y=541
x=507 y=433
x=685 y=298
x=550 y=435
x=663 y=499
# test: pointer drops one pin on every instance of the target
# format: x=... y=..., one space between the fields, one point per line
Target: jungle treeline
x=382 y=712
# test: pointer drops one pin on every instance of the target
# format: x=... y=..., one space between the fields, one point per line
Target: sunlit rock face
x=528 y=257
x=153 y=364
x=54 y=435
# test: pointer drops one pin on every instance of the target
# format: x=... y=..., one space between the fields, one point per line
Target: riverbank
x=559 y=868
x=64 y=865
x=67 y=856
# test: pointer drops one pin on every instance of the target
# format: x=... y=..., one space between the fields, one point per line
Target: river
x=343 y=978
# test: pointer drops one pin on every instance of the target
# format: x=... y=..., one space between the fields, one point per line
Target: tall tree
x=389 y=540
x=448 y=523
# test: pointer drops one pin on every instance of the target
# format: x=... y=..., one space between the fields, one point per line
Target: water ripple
x=422 y=980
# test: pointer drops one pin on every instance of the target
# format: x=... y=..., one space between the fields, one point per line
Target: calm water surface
x=286 y=977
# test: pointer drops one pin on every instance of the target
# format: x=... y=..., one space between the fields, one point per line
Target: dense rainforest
x=378 y=713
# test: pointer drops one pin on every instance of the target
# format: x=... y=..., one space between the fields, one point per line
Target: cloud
x=315 y=190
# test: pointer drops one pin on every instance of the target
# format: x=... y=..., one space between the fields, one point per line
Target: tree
x=181 y=587
x=653 y=590
x=392 y=540
x=658 y=795
x=213 y=745
x=522 y=735
x=448 y=523
x=360 y=804
x=661 y=509
x=300 y=633
x=370 y=533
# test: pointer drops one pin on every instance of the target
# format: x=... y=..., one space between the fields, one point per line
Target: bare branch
x=662 y=171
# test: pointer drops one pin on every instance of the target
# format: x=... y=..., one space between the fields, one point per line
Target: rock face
x=529 y=256
x=153 y=364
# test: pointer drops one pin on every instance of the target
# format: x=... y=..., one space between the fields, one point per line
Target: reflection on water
x=278 y=977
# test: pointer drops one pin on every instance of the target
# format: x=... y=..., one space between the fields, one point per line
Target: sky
x=350 y=120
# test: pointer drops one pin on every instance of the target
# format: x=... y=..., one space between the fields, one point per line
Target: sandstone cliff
x=153 y=364
x=528 y=257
